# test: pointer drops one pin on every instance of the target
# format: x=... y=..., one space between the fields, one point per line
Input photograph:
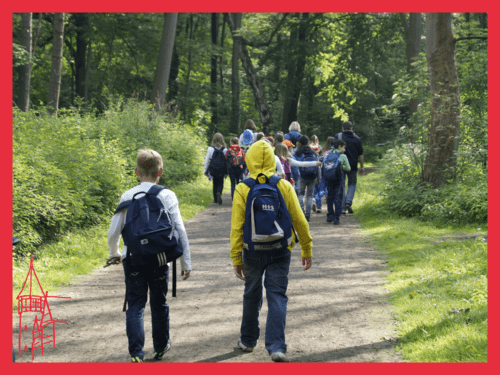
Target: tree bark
x=164 y=60
x=25 y=70
x=235 y=78
x=190 y=63
x=56 y=67
x=296 y=72
x=413 y=47
x=213 y=74
x=81 y=23
x=89 y=59
x=253 y=80
x=440 y=161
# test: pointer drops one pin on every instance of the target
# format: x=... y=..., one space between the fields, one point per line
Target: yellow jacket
x=260 y=159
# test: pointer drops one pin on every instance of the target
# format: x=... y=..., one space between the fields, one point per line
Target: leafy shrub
x=373 y=154
x=463 y=200
x=70 y=170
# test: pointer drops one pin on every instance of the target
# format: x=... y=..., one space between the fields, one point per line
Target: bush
x=373 y=154
x=70 y=170
x=463 y=200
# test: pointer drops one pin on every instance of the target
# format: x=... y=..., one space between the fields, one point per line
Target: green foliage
x=70 y=170
x=463 y=200
x=437 y=281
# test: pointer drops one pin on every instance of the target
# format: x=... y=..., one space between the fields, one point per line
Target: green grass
x=81 y=251
x=437 y=283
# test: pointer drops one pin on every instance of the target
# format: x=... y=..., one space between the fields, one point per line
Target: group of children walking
x=298 y=160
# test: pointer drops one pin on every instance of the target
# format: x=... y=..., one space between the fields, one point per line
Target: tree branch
x=470 y=37
x=254 y=44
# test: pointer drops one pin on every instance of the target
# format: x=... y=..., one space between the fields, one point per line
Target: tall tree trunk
x=260 y=101
x=25 y=70
x=81 y=25
x=89 y=59
x=190 y=63
x=413 y=31
x=163 y=66
x=221 y=74
x=56 y=67
x=288 y=115
x=440 y=162
x=213 y=76
x=235 y=78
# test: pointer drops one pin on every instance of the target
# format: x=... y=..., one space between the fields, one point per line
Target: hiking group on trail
x=272 y=193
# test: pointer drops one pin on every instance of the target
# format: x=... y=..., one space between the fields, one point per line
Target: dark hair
x=304 y=140
x=328 y=143
x=260 y=135
x=234 y=140
x=338 y=142
x=279 y=137
x=347 y=125
x=271 y=139
x=249 y=124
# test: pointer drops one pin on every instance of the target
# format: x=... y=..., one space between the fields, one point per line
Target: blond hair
x=294 y=126
x=282 y=151
x=149 y=163
x=218 y=141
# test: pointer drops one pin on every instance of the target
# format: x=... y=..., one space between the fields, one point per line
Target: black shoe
x=349 y=208
x=159 y=355
x=329 y=219
x=219 y=198
x=336 y=222
x=308 y=218
x=136 y=360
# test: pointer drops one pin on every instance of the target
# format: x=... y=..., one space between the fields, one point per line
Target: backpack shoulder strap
x=155 y=189
x=250 y=182
x=123 y=205
x=274 y=180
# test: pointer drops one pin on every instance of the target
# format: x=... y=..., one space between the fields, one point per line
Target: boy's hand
x=239 y=271
x=307 y=262
x=318 y=163
x=185 y=274
x=112 y=261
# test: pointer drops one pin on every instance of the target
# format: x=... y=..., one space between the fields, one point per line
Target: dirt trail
x=338 y=310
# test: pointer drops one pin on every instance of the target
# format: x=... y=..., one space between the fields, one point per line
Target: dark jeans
x=139 y=280
x=218 y=186
x=335 y=194
x=352 y=178
x=273 y=269
x=235 y=175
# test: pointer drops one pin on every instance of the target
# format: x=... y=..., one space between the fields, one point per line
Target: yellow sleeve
x=299 y=221
x=237 y=223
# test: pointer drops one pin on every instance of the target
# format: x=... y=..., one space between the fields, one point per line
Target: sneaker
x=329 y=219
x=318 y=210
x=136 y=359
x=313 y=207
x=336 y=222
x=219 y=198
x=279 y=357
x=159 y=355
x=244 y=348
x=349 y=208
x=308 y=218
x=343 y=212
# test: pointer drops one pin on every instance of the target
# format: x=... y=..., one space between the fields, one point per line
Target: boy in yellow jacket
x=272 y=267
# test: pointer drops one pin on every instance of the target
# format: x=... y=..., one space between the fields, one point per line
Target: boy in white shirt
x=149 y=170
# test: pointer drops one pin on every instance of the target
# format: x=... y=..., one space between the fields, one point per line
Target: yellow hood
x=260 y=159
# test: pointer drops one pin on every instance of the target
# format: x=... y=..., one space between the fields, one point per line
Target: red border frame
x=232 y=6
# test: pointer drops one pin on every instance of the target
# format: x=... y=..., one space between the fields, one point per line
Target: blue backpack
x=332 y=167
x=293 y=137
x=268 y=224
x=309 y=173
x=247 y=139
x=149 y=233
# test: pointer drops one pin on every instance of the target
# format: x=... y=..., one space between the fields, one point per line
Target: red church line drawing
x=38 y=304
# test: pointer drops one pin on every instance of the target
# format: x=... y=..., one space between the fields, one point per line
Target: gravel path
x=338 y=310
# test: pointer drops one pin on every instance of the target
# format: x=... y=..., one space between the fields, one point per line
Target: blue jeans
x=235 y=175
x=303 y=186
x=269 y=269
x=139 y=280
x=319 y=192
x=296 y=178
x=335 y=195
x=352 y=178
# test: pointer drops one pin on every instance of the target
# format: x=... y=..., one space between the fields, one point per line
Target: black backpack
x=218 y=164
x=149 y=233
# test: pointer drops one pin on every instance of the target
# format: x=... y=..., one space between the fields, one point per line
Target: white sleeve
x=208 y=156
x=279 y=167
x=172 y=205
x=296 y=163
x=115 y=232
x=240 y=140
